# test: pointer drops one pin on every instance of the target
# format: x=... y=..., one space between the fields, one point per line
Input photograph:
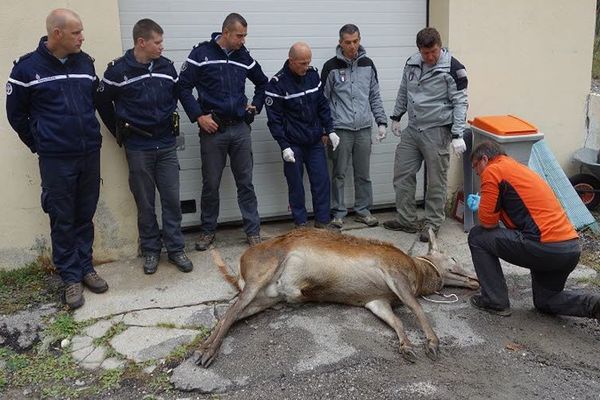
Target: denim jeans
x=235 y=142
x=150 y=170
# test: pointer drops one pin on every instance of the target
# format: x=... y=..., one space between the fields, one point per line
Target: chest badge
x=343 y=76
x=37 y=77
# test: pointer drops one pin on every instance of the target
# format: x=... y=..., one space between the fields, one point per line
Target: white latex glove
x=381 y=133
x=288 y=155
x=459 y=146
x=335 y=140
x=396 y=128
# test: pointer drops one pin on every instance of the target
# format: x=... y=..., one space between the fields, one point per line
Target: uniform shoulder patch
x=116 y=60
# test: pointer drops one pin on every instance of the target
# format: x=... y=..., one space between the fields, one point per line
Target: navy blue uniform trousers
x=70 y=190
x=313 y=156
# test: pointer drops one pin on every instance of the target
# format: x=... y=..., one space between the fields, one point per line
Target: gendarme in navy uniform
x=299 y=117
x=218 y=69
x=136 y=100
x=50 y=104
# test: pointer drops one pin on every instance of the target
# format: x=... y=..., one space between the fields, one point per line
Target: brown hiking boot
x=93 y=282
x=74 y=295
x=253 y=240
x=204 y=241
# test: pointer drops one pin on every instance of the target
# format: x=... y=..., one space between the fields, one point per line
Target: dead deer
x=308 y=265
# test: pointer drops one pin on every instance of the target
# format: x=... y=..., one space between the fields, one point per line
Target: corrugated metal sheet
x=544 y=163
x=388 y=29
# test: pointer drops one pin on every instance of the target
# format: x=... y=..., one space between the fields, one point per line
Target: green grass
x=64 y=325
x=47 y=371
x=111 y=333
x=23 y=287
x=596 y=59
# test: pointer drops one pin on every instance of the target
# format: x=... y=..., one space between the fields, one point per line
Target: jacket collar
x=361 y=53
x=44 y=52
x=443 y=62
x=213 y=40
x=132 y=62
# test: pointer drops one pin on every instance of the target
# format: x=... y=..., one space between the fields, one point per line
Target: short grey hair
x=349 y=29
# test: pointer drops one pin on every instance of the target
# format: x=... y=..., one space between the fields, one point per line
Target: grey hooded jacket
x=353 y=91
x=436 y=97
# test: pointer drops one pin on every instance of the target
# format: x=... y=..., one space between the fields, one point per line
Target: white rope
x=446 y=296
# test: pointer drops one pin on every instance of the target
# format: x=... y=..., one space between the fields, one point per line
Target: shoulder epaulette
x=116 y=60
x=23 y=57
x=201 y=43
x=167 y=59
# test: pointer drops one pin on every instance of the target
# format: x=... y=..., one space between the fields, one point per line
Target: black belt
x=226 y=120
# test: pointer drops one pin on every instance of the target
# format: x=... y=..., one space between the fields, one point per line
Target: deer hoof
x=204 y=358
x=409 y=355
x=432 y=351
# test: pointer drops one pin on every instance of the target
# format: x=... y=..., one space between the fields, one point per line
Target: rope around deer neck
x=439 y=273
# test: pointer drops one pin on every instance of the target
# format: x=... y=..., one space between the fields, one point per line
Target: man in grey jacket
x=350 y=84
x=433 y=92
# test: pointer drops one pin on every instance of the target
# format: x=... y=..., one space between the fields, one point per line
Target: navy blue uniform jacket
x=144 y=98
x=298 y=111
x=220 y=81
x=51 y=105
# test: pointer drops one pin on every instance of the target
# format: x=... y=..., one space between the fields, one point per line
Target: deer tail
x=224 y=269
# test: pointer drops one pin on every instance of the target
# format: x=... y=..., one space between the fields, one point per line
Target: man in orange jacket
x=537 y=235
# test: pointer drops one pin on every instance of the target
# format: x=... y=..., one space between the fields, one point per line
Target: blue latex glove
x=473 y=201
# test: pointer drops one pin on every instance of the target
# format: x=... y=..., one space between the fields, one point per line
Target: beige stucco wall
x=24 y=228
x=528 y=58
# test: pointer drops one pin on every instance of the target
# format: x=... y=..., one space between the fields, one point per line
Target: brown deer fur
x=308 y=265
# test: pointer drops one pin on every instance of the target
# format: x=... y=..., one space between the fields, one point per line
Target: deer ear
x=432 y=241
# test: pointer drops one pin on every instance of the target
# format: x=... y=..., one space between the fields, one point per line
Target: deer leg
x=208 y=350
x=383 y=310
x=399 y=286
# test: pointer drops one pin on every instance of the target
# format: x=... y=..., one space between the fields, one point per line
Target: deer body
x=310 y=265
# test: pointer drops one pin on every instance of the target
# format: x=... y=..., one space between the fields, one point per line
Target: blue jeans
x=70 y=191
x=313 y=156
x=235 y=142
x=150 y=170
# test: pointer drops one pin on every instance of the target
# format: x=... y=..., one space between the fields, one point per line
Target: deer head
x=450 y=270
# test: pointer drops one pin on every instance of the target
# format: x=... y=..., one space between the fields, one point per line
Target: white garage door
x=388 y=29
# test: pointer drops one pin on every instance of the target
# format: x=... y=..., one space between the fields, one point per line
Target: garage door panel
x=388 y=29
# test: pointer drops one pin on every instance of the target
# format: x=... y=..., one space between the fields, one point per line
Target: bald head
x=59 y=18
x=65 y=32
x=299 y=50
x=299 y=58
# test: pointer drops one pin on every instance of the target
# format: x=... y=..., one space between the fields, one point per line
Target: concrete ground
x=296 y=348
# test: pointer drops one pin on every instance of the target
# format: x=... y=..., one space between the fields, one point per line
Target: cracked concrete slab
x=143 y=343
x=181 y=317
x=99 y=329
x=131 y=290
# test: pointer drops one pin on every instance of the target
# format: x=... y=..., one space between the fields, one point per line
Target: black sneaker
x=300 y=226
x=151 y=263
x=74 y=295
x=95 y=283
x=181 y=261
x=477 y=301
x=205 y=241
x=394 y=225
